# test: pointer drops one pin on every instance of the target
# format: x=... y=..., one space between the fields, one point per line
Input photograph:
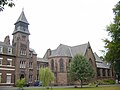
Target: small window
x=0 y=77
x=90 y=60
x=30 y=65
x=1 y=61
x=23 y=37
x=9 y=62
x=9 y=50
x=8 y=80
x=1 y=49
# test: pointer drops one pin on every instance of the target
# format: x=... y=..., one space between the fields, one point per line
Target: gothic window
x=23 y=52
x=1 y=49
x=103 y=72
x=108 y=71
x=22 y=64
x=61 y=65
x=52 y=64
x=9 y=50
x=98 y=71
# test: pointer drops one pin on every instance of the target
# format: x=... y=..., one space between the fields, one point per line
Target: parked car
x=26 y=85
x=38 y=83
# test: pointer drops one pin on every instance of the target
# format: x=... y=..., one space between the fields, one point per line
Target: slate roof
x=100 y=63
x=22 y=18
x=20 y=28
x=4 y=44
x=42 y=60
x=32 y=50
x=70 y=51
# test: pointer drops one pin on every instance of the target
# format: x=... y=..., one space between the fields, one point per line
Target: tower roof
x=21 y=25
x=22 y=18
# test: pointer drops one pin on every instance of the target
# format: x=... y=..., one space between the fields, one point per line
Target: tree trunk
x=81 y=83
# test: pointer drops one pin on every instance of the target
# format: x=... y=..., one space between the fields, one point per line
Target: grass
x=90 y=88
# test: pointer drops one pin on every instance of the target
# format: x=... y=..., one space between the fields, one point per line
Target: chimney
x=7 y=40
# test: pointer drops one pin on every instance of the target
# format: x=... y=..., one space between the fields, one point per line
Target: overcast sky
x=54 y=22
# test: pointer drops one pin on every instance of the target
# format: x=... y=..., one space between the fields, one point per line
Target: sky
x=55 y=22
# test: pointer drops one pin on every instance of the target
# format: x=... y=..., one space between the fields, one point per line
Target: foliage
x=46 y=76
x=113 y=45
x=80 y=69
x=4 y=3
x=20 y=83
x=106 y=81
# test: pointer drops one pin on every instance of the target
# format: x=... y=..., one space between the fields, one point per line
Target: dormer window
x=9 y=50
x=1 y=49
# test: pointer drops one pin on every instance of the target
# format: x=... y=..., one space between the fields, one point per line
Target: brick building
x=60 y=58
x=20 y=61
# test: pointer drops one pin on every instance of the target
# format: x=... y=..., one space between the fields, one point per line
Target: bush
x=20 y=83
x=109 y=81
x=106 y=81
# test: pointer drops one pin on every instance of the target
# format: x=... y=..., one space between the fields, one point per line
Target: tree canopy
x=112 y=45
x=46 y=76
x=80 y=69
x=4 y=3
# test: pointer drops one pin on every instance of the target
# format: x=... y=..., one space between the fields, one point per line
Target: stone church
x=60 y=58
x=18 y=60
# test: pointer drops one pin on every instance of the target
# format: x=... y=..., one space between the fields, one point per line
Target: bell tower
x=21 y=45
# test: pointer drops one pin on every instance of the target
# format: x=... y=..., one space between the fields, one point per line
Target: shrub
x=20 y=83
x=106 y=81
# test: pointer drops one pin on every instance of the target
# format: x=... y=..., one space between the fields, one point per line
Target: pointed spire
x=22 y=18
x=21 y=25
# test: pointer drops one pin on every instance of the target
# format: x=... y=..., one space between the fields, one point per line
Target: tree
x=80 y=69
x=112 y=45
x=20 y=83
x=4 y=3
x=46 y=76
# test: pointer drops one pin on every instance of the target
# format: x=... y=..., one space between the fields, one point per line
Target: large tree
x=112 y=45
x=4 y=3
x=46 y=76
x=80 y=69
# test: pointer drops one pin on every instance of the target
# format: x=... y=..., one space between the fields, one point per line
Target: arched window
x=61 y=65
x=52 y=64
x=90 y=60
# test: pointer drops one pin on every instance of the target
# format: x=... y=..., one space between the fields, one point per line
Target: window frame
x=1 y=60
x=1 y=49
x=61 y=63
x=9 y=51
x=7 y=79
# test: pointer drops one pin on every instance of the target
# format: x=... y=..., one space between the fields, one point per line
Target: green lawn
x=90 y=88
